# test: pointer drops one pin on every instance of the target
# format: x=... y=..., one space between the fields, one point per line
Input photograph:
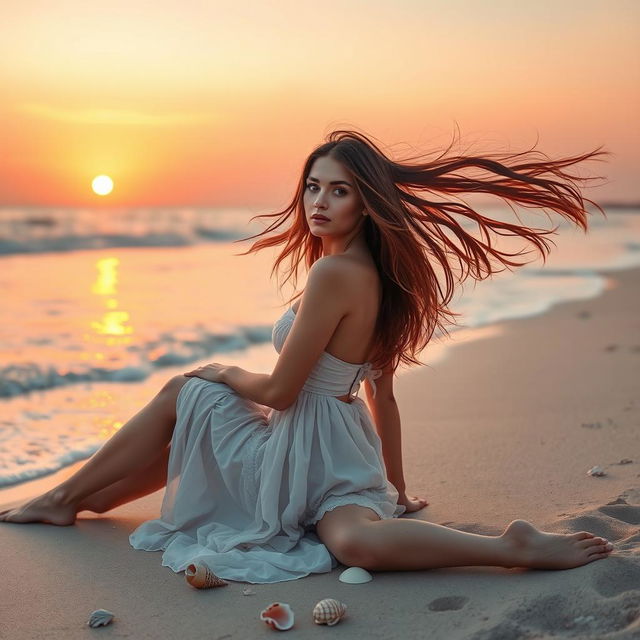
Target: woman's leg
x=136 y=485
x=131 y=448
x=357 y=536
x=415 y=544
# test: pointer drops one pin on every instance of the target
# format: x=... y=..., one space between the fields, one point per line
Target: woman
x=271 y=477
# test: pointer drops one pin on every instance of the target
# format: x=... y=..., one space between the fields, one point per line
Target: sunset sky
x=218 y=103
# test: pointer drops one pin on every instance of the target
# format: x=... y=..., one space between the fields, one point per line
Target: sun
x=102 y=185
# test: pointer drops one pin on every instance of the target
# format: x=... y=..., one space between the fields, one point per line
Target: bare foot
x=50 y=508
x=537 y=549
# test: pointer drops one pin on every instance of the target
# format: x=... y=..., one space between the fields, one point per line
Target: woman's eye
x=311 y=184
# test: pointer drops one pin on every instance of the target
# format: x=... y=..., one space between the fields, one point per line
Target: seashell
x=200 y=576
x=248 y=591
x=329 y=611
x=596 y=471
x=100 y=618
x=355 y=575
x=278 y=615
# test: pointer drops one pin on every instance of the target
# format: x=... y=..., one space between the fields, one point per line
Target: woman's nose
x=318 y=201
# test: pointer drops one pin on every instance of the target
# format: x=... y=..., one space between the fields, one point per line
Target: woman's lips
x=319 y=219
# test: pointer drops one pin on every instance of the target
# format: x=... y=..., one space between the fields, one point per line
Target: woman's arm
x=254 y=386
x=386 y=415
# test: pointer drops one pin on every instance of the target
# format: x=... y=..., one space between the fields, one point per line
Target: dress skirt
x=246 y=483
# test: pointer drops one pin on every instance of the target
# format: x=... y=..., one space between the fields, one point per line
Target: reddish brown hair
x=407 y=233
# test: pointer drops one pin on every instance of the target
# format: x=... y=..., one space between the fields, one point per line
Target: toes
x=15 y=515
x=591 y=545
x=597 y=556
x=599 y=548
x=581 y=535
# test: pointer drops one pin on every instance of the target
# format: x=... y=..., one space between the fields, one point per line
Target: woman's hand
x=213 y=372
x=412 y=503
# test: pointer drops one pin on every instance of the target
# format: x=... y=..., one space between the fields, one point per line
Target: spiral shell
x=100 y=618
x=278 y=615
x=200 y=576
x=329 y=611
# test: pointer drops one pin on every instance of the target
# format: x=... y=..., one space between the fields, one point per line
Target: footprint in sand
x=448 y=603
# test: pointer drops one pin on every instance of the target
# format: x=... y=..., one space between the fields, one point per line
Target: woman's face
x=330 y=192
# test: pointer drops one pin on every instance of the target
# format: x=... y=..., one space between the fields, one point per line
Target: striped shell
x=329 y=611
x=200 y=576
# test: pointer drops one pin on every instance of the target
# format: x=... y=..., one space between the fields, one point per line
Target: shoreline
x=434 y=355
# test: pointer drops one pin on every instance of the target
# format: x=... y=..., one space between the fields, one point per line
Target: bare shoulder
x=345 y=275
x=327 y=285
x=329 y=269
x=352 y=269
x=341 y=263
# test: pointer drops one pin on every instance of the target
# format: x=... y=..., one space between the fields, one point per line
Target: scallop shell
x=200 y=576
x=596 y=471
x=355 y=575
x=278 y=615
x=100 y=618
x=329 y=611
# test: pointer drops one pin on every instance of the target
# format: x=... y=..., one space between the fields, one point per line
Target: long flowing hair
x=410 y=235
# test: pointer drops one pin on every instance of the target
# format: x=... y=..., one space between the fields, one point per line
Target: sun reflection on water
x=114 y=323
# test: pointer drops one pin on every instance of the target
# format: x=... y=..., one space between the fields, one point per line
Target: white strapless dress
x=247 y=483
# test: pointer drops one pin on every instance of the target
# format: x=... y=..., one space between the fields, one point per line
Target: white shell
x=100 y=618
x=329 y=611
x=278 y=615
x=355 y=575
x=596 y=471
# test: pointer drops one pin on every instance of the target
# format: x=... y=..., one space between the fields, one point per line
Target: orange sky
x=218 y=103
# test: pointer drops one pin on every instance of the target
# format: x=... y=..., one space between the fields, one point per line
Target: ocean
x=100 y=307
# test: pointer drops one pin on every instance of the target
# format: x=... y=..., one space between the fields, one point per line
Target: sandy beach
x=546 y=398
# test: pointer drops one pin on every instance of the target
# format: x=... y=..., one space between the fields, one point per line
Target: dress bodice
x=330 y=375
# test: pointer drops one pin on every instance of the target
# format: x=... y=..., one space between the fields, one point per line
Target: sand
x=505 y=427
